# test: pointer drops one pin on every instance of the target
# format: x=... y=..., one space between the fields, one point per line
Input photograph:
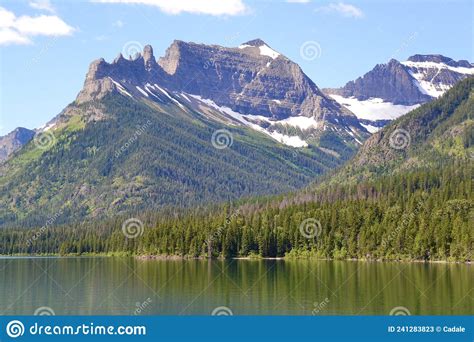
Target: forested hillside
x=414 y=203
x=143 y=156
x=421 y=215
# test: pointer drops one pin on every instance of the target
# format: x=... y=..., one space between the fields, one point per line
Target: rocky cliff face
x=252 y=80
x=440 y=59
x=14 y=141
x=391 y=82
x=434 y=74
x=417 y=80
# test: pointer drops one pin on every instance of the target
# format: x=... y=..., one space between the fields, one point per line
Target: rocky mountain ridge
x=395 y=88
x=251 y=80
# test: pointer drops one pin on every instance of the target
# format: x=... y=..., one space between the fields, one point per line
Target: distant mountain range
x=393 y=89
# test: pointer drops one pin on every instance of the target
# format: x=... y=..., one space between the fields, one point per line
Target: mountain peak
x=437 y=58
x=255 y=42
x=13 y=141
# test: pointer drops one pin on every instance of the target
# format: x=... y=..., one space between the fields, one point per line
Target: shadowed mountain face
x=14 y=141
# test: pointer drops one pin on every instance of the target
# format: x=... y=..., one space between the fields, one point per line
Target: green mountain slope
x=397 y=208
x=119 y=154
x=432 y=135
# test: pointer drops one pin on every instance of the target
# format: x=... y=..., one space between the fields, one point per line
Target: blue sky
x=47 y=46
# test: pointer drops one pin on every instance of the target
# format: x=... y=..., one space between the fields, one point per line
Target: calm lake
x=126 y=286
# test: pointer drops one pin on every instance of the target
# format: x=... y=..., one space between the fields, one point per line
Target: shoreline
x=146 y=257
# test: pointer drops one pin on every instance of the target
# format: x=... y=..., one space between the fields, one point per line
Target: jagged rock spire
x=149 y=59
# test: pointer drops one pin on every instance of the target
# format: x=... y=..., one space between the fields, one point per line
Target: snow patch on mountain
x=121 y=88
x=374 y=108
x=293 y=141
x=265 y=50
x=422 y=72
x=302 y=122
x=427 y=87
x=434 y=65
x=142 y=91
x=370 y=128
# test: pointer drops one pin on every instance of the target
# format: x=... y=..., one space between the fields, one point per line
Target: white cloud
x=7 y=18
x=118 y=23
x=45 y=25
x=210 y=7
x=19 y=30
x=9 y=36
x=344 y=9
x=42 y=5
